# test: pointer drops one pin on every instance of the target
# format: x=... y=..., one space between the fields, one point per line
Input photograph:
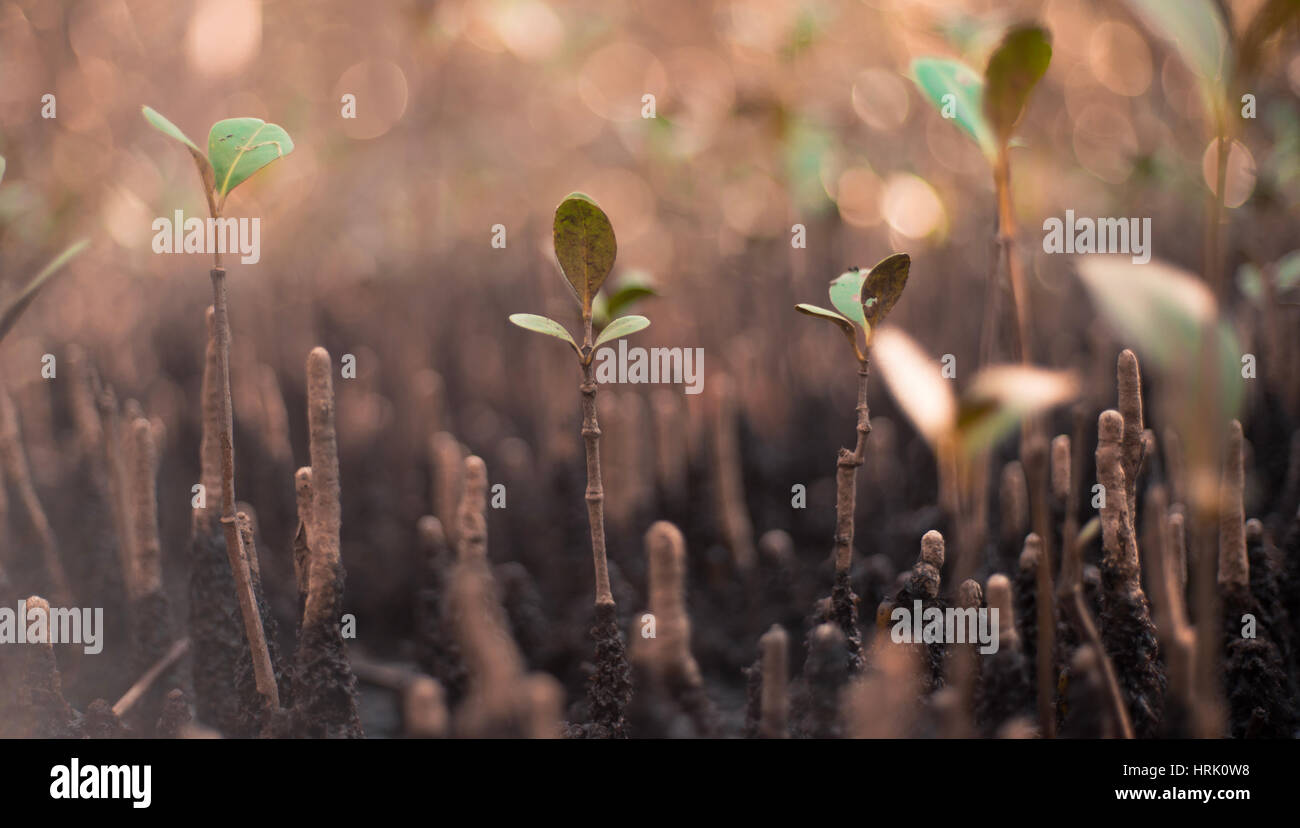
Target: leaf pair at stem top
x=585 y=247
x=864 y=298
x=989 y=107
x=237 y=148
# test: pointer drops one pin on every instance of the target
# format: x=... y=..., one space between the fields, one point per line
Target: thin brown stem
x=1007 y=238
x=261 y=657
x=1037 y=468
x=142 y=684
x=846 y=475
x=18 y=471
x=595 y=488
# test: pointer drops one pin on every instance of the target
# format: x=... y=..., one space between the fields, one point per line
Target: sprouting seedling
x=585 y=247
x=988 y=108
x=14 y=307
x=997 y=399
x=1223 y=66
x=237 y=148
x=962 y=428
x=863 y=299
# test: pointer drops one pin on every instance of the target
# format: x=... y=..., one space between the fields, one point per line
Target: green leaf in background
x=239 y=147
x=622 y=326
x=1014 y=69
x=1172 y=319
x=628 y=293
x=845 y=290
x=831 y=316
x=883 y=286
x=1161 y=308
x=169 y=129
x=1286 y=276
x=13 y=310
x=1197 y=32
x=1002 y=396
x=937 y=77
x=585 y=246
x=915 y=383
x=541 y=324
x=2 y=168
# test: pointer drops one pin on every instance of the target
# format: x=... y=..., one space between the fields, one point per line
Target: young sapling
x=988 y=108
x=585 y=247
x=237 y=148
x=863 y=299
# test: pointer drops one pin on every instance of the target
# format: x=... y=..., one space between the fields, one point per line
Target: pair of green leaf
x=585 y=247
x=994 y=403
x=620 y=327
x=237 y=148
x=864 y=298
x=1286 y=276
x=989 y=107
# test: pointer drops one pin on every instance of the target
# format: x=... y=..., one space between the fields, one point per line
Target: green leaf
x=166 y=127
x=627 y=295
x=1015 y=67
x=1172 y=320
x=917 y=385
x=937 y=77
x=541 y=324
x=1198 y=33
x=1287 y=275
x=585 y=246
x=240 y=147
x=883 y=287
x=169 y=129
x=620 y=327
x=2 y=168
x=845 y=290
x=1160 y=308
x=1001 y=396
x=831 y=316
x=15 y=308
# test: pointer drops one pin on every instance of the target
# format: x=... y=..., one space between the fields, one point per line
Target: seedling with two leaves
x=988 y=108
x=585 y=247
x=237 y=148
x=863 y=299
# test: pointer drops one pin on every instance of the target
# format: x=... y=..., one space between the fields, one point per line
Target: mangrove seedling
x=585 y=247
x=237 y=148
x=863 y=299
x=988 y=108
